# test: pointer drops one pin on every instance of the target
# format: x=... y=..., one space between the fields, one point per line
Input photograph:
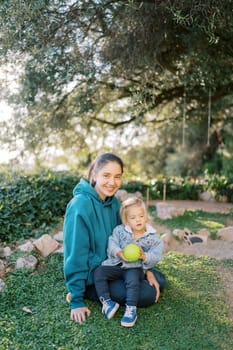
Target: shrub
x=182 y=188
x=32 y=202
x=135 y=186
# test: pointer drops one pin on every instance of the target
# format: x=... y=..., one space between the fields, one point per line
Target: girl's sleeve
x=76 y=251
x=154 y=254
x=113 y=243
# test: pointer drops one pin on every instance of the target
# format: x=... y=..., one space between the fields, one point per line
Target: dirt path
x=216 y=249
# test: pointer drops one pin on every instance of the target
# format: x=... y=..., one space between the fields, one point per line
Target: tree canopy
x=119 y=73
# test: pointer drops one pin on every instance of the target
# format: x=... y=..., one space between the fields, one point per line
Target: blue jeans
x=147 y=293
x=131 y=277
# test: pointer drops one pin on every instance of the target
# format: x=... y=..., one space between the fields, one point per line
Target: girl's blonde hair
x=129 y=202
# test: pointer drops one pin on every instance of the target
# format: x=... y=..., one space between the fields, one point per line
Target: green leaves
x=104 y=65
x=33 y=202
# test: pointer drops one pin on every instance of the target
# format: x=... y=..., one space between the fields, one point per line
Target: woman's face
x=108 y=179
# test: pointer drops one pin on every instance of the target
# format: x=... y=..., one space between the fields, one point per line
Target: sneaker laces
x=105 y=304
x=129 y=311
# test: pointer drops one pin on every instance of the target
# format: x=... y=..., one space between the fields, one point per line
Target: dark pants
x=131 y=278
x=147 y=293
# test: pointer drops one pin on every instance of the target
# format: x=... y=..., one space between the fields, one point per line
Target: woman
x=90 y=218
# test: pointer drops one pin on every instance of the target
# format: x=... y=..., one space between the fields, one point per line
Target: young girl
x=134 y=229
x=89 y=221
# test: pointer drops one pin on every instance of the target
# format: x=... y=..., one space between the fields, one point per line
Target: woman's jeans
x=147 y=293
x=131 y=277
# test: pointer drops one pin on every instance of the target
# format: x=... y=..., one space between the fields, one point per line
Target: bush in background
x=183 y=188
x=32 y=202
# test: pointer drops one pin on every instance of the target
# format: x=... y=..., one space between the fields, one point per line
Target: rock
x=166 y=211
x=46 y=245
x=204 y=234
x=60 y=250
x=5 y=252
x=222 y=199
x=226 y=233
x=2 y=285
x=136 y=194
x=26 y=247
x=170 y=242
x=189 y=237
x=206 y=196
x=2 y=268
x=121 y=195
x=28 y=262
x=58 y=236
x=180 y=233
x=229 y=222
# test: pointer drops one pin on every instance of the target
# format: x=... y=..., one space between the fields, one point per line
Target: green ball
x=131 y=252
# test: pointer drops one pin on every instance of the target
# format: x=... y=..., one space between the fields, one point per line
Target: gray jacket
x=150 y=242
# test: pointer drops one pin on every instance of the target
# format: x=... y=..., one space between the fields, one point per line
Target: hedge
x=30 y=203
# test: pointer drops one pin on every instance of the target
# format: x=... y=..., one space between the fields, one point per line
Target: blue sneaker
x=130 y=316
x=109 y=308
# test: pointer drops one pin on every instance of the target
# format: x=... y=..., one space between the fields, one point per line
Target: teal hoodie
x=89 y=221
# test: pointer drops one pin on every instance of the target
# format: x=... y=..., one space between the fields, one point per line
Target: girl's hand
x=153 y=283
x=79 y=314
x=121 y=255
x=143 y=255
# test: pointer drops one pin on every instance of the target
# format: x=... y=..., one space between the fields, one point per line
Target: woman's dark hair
x=99 y=162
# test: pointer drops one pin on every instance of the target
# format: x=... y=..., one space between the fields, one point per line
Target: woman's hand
x=153 y=283
x=79 y=314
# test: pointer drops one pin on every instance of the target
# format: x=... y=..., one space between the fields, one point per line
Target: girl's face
x=108 y=180
x=136 y=219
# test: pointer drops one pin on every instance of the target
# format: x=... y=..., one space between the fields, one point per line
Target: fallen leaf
x=27 y=310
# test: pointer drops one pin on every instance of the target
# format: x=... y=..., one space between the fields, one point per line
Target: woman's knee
x=147 y=294
x=161 y=279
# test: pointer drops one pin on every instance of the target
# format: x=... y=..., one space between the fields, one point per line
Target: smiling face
x=108 y=179
x=136 y=218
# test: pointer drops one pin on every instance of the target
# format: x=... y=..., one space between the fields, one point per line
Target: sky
x=5 y=115
x=9 y=74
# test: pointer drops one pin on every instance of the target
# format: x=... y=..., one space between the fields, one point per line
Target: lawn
x=191 y=314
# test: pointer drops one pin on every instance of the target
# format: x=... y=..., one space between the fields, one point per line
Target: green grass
x=191 y=313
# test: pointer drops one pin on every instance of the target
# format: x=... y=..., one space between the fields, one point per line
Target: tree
x=90 y=67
